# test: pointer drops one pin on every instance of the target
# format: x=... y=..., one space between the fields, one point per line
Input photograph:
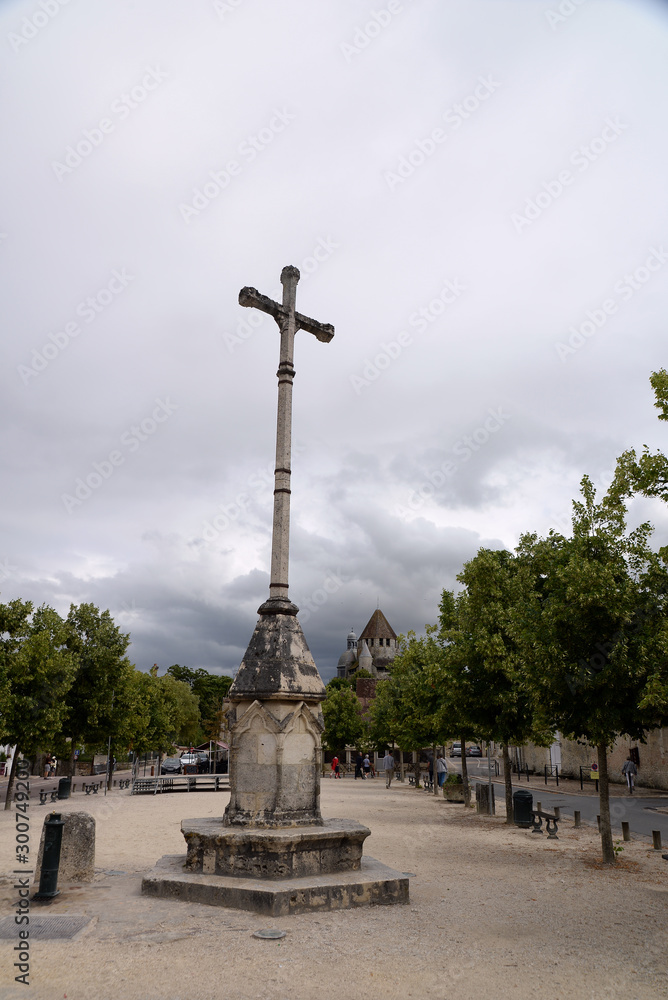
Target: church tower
x=381 y=639
x=373 y=651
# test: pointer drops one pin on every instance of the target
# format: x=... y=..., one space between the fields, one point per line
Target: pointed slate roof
x=378 y=627
x=364 y=657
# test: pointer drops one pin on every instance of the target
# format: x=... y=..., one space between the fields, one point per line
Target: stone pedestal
x=373 y=884
x=290 y=852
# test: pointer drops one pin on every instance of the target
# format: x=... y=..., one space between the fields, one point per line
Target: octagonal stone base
x=373 y=883
x=282 y=853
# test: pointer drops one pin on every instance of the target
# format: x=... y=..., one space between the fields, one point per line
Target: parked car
x=189 y=763
x=456 y=750
x=171 y=765
x=472 y=751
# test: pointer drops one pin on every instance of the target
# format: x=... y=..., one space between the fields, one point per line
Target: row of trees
x=66 y=684
x=565 y=634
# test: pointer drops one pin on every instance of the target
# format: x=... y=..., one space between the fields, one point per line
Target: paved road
x=640 y=813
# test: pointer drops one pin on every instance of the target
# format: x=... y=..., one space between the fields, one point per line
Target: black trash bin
x=522 y=808
x=64 y=788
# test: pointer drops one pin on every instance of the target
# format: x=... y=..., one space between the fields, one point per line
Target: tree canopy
x=591 y=628
x=36 y=673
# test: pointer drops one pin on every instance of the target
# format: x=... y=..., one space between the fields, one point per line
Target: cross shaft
x=289 y=321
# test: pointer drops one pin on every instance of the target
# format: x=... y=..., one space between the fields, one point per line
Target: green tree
x=591 y=627
x=210 y=690
x=182 y=710
x=102 y=667
x=646 y=473
x=484 y=665
x=159 y=712
x=337 y=683
x=414 y=699
x=382 y=715
x=344 y=725
x=36 y=674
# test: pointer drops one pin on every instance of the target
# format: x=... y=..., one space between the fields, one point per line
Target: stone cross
x=289 y=321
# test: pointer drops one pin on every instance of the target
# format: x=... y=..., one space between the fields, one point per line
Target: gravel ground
x=495 y=913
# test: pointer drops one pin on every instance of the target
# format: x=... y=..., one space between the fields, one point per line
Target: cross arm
x=323 y=331
x=253 y=299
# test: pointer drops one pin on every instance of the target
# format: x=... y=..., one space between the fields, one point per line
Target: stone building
x=569 y=755
x=373 y=651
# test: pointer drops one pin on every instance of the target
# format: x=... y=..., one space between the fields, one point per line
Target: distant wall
x=652 y=771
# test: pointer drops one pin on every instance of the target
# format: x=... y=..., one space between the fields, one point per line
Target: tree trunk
x=10 y=783
x=416 y=768
x=434 y=772
x=508 y=779
x=402 y=766
x=604 y=806
x=70 y=763
x=465 y=775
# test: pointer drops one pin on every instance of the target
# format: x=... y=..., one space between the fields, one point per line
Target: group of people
x=365 y=769
x=50 y=764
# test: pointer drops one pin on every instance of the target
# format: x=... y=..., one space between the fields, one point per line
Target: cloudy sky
x=474 y=192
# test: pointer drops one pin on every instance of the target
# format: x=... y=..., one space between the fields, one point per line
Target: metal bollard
x=576 y=817
x=656 y=839
x=626 y=834
x=53 y=837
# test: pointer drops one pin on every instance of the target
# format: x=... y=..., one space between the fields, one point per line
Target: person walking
x=336 y=769
x=366 y=764
x=441 y=770
x=359 y=761
x=630 y=770
x=388 y=767
x=47 y=765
